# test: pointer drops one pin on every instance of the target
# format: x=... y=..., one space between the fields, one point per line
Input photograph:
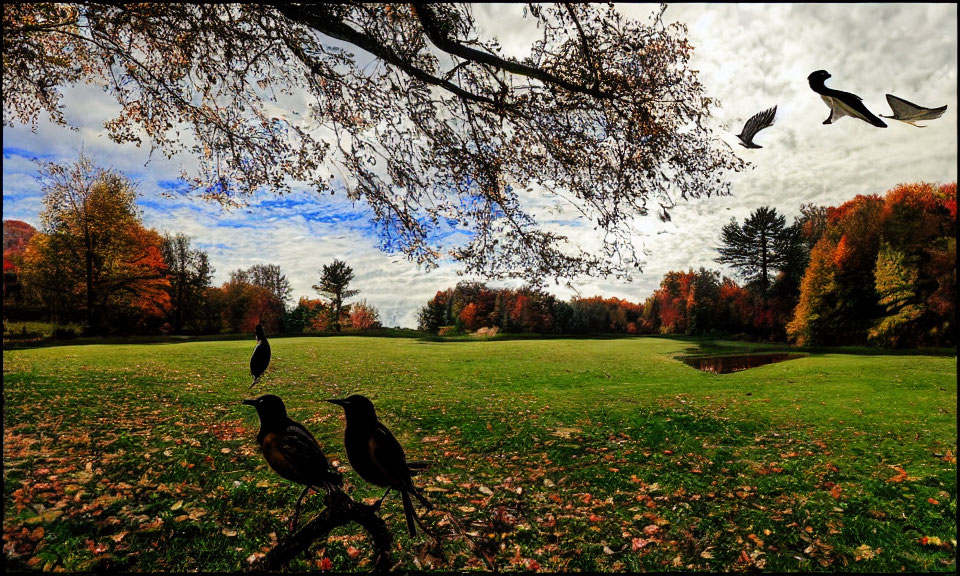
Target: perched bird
x=756 y=123
x=260 y=358
x=291 y=450
x=910 y=113
x=376 y=455
x=841 y=103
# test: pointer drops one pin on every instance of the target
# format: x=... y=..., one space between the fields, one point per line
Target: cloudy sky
x=749 y=56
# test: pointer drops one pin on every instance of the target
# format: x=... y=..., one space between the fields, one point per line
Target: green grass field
x=562 y=454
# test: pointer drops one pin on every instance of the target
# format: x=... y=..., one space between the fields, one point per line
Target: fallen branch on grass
x=340 y=510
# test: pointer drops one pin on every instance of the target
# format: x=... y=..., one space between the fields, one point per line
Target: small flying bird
x=260 y=358
x=375 y=454
x=756 y=123
x=841 y=103
x=291 y=450
x=910 y=113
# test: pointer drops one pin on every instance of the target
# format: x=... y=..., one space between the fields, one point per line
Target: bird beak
x=341 y=403
x=250 y=401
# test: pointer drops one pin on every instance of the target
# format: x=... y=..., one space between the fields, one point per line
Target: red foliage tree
x=363 y=316
x=16 y=235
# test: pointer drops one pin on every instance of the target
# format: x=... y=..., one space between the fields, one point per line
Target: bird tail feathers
x=408 y=512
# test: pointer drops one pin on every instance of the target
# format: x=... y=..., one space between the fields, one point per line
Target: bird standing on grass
x=376 y=455
x=841 y=103
x=260 y=358
x=911 y=113
x=756 y=123
x=291 y=450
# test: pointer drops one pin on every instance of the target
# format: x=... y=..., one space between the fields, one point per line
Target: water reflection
x=727 y=364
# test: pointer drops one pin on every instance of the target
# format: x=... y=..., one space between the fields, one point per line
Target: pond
x=727 y=364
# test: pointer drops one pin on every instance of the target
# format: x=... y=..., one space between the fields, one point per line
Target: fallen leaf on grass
x=638 y=543
x=229 y=532
x=45 y=516
x=864 y=552
x=118 y=536
x=901 y=475
x=178 y=505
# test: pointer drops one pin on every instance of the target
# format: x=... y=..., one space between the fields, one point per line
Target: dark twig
x=340 y=510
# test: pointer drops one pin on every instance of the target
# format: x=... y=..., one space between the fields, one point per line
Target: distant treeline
x=93 y=263
x=878 y=270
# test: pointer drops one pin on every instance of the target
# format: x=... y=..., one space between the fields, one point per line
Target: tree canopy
x=405 y=107
x=93 y=253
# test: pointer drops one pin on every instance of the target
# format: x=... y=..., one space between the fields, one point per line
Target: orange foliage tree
x=884 y=271
x=93 y=254
x=363 y=316
x=243 y=305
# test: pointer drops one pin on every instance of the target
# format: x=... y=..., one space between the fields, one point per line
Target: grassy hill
x=561 y=454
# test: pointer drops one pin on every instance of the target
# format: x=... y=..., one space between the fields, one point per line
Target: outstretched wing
x=910 y=112
x=758 y=122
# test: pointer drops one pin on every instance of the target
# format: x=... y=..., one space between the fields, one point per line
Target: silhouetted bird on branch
x=291 y=450
x=376 y=455
x=841 y=103
x=260 y=358
x=911 y=113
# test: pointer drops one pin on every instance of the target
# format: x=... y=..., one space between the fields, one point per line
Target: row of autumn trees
x=93 y=262
x=877 y=269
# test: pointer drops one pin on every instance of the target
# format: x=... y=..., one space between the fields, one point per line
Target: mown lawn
x=564 y=454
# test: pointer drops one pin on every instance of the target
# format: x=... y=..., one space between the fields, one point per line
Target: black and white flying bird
x=841 y=103
x=260 y=358
x=756 y=123
x=910 y=113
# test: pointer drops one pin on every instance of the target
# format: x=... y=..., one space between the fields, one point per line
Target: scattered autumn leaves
x=137 y=482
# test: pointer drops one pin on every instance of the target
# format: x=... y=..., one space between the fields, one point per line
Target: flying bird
x=756 y=123
x=260 y=358
x=291 y=450
x=376 y=455
x=841 y=103
x=910 y=113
